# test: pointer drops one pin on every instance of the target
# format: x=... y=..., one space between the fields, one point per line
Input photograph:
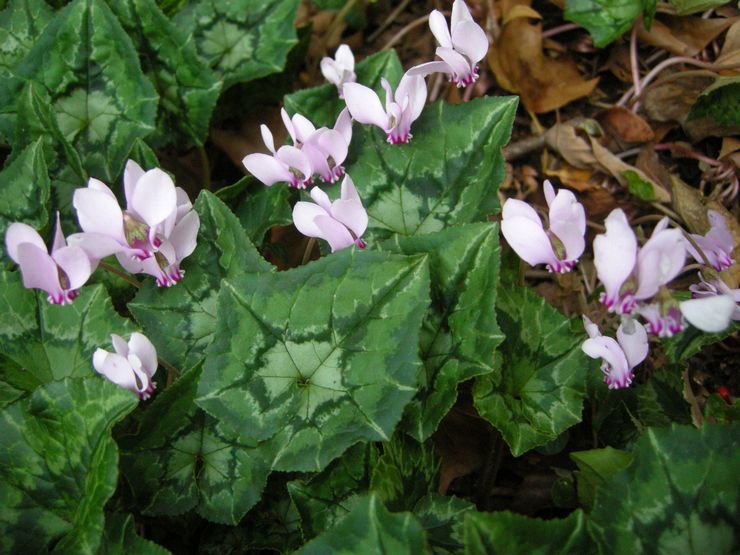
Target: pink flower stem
x=560 y=29
x=123 y=275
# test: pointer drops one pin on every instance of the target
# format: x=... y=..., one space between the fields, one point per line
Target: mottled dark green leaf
x=24 y=190
x=181 y=320
x=459 y=333
x=447 y=175
x=101 y=99
x=50 y=342
x=595 y=467
x=442 y=518
x=720 y=103
x=327 y=497
x=243 y=39
x=322 y=104
x=716 y=409
x=21 y=22
x=607 y=20
x=187 y=89
x=679 y=495
x=686 y=7
x=314 y=359
x=120 y=538
x=370 y=528
x=691 y=341
x=58 y=465
x=512 y=534
x=538 y=392
x=263 y=207
x=181 y=459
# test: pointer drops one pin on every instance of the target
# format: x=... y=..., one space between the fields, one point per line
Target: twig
x=388 y=20
x=337 y=21
x=124 y=276
x=309 y=250
x=172 y=372
x=696 y=416
x=526 y=146
x=560 y=29
x=634 y=64
x=667 y=211
x=410 y=27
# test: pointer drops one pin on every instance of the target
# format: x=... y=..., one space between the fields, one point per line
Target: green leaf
x=21 y=22
x=187 y=88
x=511 y=534
x=262 y=208
x=720 y=103
x=181 y=320
x=687 y=7
x=327 y=497
x=322 y=104
x=102 y=101
x=24 y=190
x=679 y=495
x=447 y=175
x=691 y=341
x=539 y=390
x=595 y=467
x=639 y=187
x=607 y=20
x=120 y=538
x=442 y=517
x=241 y=40
x=58 y=465
x=716 y=409
x=314 y=359
x=370 y=528
x=181 y=459
x=460 y=333
x=49 y=342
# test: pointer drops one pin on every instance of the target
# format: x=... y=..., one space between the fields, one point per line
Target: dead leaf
x=595 y=198
x=672 y=100
x=520 y=10
x=569 y=140
x=683 y=36
x=730 y=150
x=520 y=66
x=625 y=125
x=730 y=53
x=621 y=171
x=619 y=63
x=648 y=162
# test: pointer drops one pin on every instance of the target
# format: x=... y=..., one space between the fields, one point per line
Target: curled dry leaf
x=626 y=126
x=683 y=36
x=519 y=63
x=569 y=139
x=730 y=150
x=730 y=53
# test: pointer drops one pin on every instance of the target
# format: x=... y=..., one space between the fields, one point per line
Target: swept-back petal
x=529 y=241
x=267 y=138
x=617 y=371
x=38 y=269
x=140 y=346
x=296 y=160
x=469 y=39
x=117 y=369
x=591 y=329
x=514 y=208
x=154 y=197
x=343 y=125
x=460 y=13
x=364 y=105
x=96 y=245
x=568 y=223
x=460 y=64
x=131 y=175
x=633 y=340
x=97 y=185
x=59 y=241
x=19 y=233
x=334 y=233
x=330 y=70
x=345 y=58
x=75 y=263
x=119 y=344
x=659 y=261
x=98 y=212
x=321 y=198
x=413 y=88
x=429 y=67
x=184 y=236
x=303 y=127
x=710 y=314
x=268 y=169
x=615 y=253
x=439 y=28
x=288 y=125
x=304 y=214
x=332 y=143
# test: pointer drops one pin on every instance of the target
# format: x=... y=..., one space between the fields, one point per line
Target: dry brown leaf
x=672 y=100
x=619 y=63
x=568 y=140
x=730 y=150
x=621 y=123
x=616 y=167
x=596 y=199
x=730 y=53
x=520 y=66
x=683 y=36
x=648 y=162
x=520 y=10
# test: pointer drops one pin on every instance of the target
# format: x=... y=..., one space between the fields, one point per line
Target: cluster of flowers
x=153 y=235
x=322 y=151
x=635 y=278
x=155 y=232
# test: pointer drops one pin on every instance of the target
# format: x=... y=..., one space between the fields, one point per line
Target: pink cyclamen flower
x=60 y=273
x=341 y=223
x=630 y=274
x=619 y=357
x=153 y=235
x=713 y=307
x=664 y=317
x=401 y=108
x=132 y=366
x=461 y=46
x=340 y=69
x=561 y=245
x=288 y=164
x=717 y=245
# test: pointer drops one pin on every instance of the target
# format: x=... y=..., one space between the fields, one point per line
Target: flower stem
x=123 y=275
x=308 y=251
x=172 y=372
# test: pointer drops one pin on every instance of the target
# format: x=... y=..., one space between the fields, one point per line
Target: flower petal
x=131 y=175
x=184 y=236
x=117 y=369
x=659 y=261
x=19 y=233
x=709 y=314
x=439 y=28
x=615 y=253
x=459 y=63
x=514 y=208
x=591 y=329
x=330 y=70
x=140 y=346
x=335 y=233
x=634 y=342
x=343 y=125
x=154 y=197
x=321 y=198
x=529 y=241
x=468 y=38
x=304 y=214
x=59 y=241
x=75 y=263
x=38 y=269
x=460 y=13
x=267 y=138
x=345 y=58
x=413 y=88
x=364 y=105
x=96 y=245
x=99 y=212
x=568 y=223
x=348 y=210
x=618 y=373
x=430 y=67
x=268 y=169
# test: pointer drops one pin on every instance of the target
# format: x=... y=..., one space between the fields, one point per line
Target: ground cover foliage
x=425 y=394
